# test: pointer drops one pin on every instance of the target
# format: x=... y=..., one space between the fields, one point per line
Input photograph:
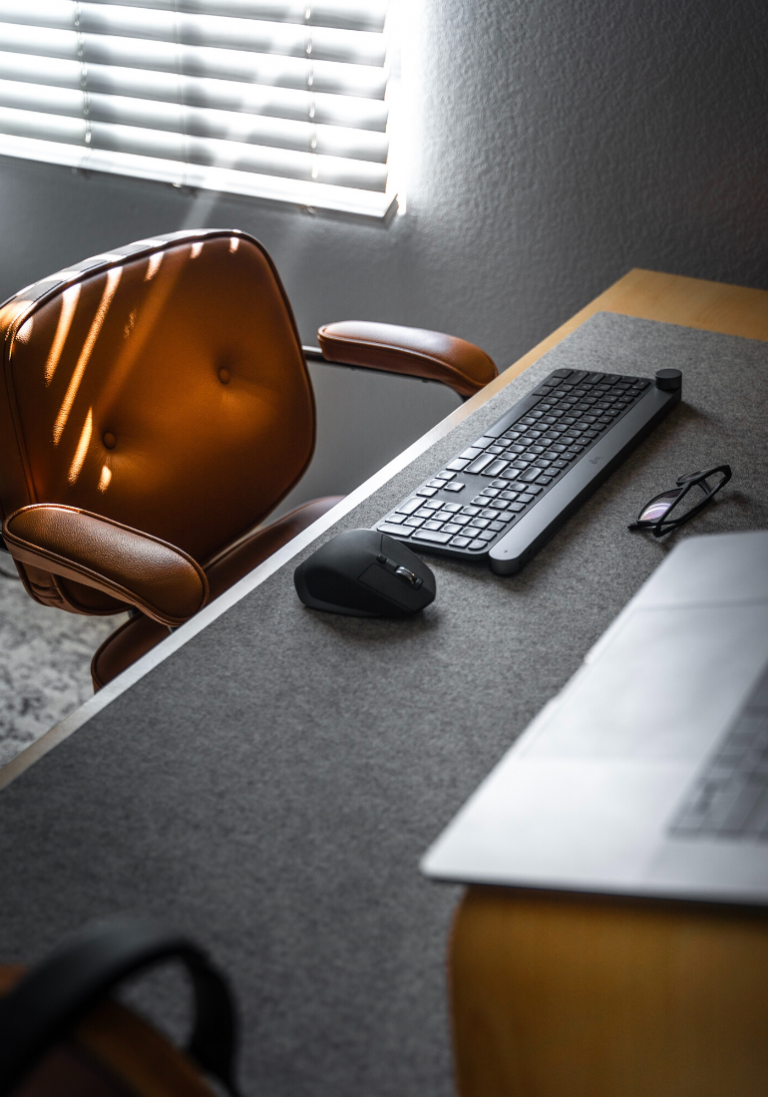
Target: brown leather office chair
x=63 y=1035
x=156 y=407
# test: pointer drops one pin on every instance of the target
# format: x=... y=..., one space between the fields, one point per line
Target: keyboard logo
x=595 y=460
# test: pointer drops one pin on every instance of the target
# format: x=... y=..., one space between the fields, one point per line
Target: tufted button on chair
x=156 y=407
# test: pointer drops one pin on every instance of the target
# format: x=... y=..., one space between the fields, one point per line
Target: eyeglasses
x=669 y=510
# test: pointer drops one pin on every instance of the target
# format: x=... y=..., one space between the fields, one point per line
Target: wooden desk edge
x=670 y=299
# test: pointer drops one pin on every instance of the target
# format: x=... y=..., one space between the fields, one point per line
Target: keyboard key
x=452 y=508
x=461 y=519
x=423 y=513
x=479 y=523
x=436 y=484
x=497 y=527
x=457 y=465
x=427 y=491
x=410 y=505
x=415 y=522
x=460 y=542
x=485 y=535
x=395 y=531
x=395 y=519
x=455 y=486
x=529 y=476
x=496 y=468
x=433 y=504
x=511 y=474
x=529 y=494
x=470 y=454
x=452 y=527
x=434 y=536
x=545 y=480
x=488 y=493
x=471 y=511
x=517 y=507
x=481 y=463
x=484 y=442
x=445 y=475
x=478 y=544
x=488 y=513
x=433 y=524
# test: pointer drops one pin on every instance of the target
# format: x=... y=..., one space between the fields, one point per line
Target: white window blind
x=280 y=100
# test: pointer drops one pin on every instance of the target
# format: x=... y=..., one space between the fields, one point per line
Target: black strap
x=56 y=994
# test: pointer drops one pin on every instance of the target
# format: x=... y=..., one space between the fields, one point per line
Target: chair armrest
x=412 y=351
x=162 y=581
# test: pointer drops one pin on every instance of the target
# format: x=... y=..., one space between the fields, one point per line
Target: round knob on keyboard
x=669 y=379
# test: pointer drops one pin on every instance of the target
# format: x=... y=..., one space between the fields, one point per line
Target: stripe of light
x=69 y=304
x=82 y=448
x=113 y=280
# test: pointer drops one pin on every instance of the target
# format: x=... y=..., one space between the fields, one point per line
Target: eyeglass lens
x=660 y=506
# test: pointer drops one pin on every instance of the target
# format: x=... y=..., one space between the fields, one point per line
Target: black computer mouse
x=363 y=573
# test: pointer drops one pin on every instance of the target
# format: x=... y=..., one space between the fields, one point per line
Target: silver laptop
x=648 y=774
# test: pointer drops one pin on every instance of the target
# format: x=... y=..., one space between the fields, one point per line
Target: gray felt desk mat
x=271 y=786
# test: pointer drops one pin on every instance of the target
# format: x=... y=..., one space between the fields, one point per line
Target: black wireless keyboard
x=504 y=496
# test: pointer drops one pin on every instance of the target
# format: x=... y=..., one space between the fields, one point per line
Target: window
x=270 y=98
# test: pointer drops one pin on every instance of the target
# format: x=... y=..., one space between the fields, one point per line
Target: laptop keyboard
x=730 y=798
x=476 y=498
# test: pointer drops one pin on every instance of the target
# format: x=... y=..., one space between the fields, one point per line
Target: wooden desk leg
x=579 y=997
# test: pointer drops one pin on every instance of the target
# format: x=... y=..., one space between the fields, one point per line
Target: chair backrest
x=163 y=386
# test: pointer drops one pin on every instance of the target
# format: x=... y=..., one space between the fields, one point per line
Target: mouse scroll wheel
x=408 y=577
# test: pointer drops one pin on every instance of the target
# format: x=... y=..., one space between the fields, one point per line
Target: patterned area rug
x=45 y=658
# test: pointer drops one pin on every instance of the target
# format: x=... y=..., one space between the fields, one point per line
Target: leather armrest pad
x=157 y=578
x=412 y=351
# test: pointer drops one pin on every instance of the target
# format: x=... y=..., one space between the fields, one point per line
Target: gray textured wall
x=576 y=139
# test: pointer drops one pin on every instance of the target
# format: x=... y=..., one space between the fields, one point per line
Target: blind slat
x=367 y=15
x=363 y=81
x=261 y=97
x=223 y=125
x=346 y=199
x=249 y=35
x=196 y=151
x=230 y=95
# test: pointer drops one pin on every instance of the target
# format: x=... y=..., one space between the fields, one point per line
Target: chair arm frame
x=138 y=569
x=414 y=352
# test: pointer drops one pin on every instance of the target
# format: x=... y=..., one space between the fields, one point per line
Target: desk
x=558 y=995
x=269 y=778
